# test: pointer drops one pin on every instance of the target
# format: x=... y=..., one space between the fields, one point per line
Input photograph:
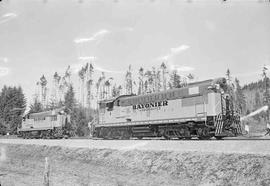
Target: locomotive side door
x=198 y=101
x=199 y=109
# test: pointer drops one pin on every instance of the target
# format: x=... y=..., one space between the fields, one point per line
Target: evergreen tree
x=36 y=107
x=230 y=89
x=164 y=72
x=78 y=118
x=258 y=102
x=190 y=77
x=56 y=83
x=228 y=75
x=175 y=80
x=43 y=83
x=89 y=83
x=149 y=84
x=141 y=81
x=19 y=106
x=81 y=122
x=52 y=103
x=116 y=91
x=266 y=83
x=266 y=95
x=100 y=86
x=257 y=105
x=129 y=81
x=70 y=109
x=70 y=99
x=107 y=90
x=67 y=76
x=240 y=97
x=82 y=74
x=157 y=79
x=12 y=106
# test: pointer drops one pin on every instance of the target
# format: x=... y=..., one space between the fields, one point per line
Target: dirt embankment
x=24 y=165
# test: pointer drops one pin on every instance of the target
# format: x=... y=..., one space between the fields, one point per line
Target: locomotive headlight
x=210 y=87
x=217 y=86
x=213 y=87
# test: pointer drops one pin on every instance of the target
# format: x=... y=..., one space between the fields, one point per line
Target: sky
x=204 y=38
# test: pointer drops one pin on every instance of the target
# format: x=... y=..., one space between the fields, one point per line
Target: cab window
x=109 y=106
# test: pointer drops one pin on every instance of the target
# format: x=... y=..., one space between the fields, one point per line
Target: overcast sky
x=202 y=37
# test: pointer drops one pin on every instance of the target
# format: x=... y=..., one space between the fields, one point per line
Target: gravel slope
x=23 y=165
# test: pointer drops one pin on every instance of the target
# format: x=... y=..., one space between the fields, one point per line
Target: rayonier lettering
x=150 y=105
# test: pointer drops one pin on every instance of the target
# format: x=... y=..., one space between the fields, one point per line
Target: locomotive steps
x=24 y=165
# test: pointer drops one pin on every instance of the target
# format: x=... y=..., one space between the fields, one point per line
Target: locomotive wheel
x=179 y=136
x=109 y=134
x=126 y=135
x=181 y=133
x=49 y=134
x=126 y=138
x=42 y=136
x=203 y=133
x=46 y=135
x=187 y=134
x=120 y=134
x=167 y=135
x=199 y=132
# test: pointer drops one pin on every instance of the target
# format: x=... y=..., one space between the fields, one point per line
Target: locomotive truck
x=201 y=109
x=47 y=125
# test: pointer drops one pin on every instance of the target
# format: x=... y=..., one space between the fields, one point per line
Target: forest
x=82 y=104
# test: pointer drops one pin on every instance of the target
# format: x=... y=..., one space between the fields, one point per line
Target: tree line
x=82 y=107
x=258 y=95
x=12 y=106
x=13 y=102
x=79 y=115
x=90 y=90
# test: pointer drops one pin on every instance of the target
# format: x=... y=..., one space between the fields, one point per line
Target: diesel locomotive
x=201 y=109
x=46 y=125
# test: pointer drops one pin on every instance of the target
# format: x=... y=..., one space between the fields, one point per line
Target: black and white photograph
x=134 y=92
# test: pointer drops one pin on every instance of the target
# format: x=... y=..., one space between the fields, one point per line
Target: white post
x=47 y=172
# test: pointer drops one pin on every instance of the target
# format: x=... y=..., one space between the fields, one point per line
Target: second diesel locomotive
x=47 y=125
x=201 y=109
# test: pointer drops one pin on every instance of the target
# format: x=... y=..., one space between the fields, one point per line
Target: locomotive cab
x=227 y=122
